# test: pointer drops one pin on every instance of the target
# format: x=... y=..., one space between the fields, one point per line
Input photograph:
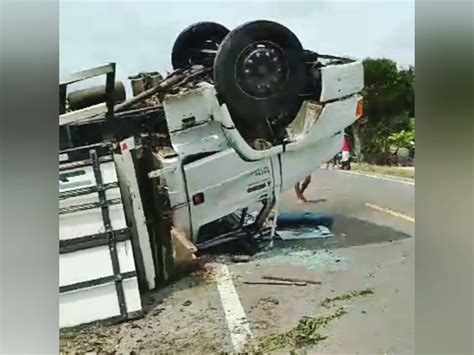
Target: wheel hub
x=261 y=70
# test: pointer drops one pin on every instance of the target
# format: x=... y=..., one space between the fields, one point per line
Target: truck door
x=223 y=183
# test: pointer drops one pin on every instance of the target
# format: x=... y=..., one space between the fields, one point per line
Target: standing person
x=346 y=149
x=299 y=189
x=333 y=161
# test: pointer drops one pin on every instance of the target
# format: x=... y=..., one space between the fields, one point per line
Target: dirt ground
x=371 y=251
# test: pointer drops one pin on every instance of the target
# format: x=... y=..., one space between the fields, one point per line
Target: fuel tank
x=95 y=95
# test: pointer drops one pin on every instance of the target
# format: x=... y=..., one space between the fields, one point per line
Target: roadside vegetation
x=385 y=135
x=398 y=171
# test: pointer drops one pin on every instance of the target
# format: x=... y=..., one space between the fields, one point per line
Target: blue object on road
x=293 y=219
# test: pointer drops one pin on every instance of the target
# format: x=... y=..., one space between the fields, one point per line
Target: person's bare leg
x=304 y=185
x=297 y=190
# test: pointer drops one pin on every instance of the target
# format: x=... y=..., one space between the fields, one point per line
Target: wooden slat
x=84 y=113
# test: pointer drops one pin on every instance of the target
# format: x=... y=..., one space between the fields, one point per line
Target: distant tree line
x=388 y=124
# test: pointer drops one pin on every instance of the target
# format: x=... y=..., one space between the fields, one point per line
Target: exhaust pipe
x=138 y=84
x=154 y=79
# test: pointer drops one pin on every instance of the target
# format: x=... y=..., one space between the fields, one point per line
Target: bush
x=389 y=100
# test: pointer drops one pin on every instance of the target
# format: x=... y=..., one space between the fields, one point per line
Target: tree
x=389 y=99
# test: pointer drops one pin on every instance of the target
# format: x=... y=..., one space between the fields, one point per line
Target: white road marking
x=376 y=176
x=236 y=319
x=391 y=212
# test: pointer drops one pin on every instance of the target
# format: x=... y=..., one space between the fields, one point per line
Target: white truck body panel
x=341 y=80
x=334 y=118
x=173 y=177
x=297 y=164
x=134 y=208
x=95 y=263
x=88 y=222
x=87 y=281
x=96 y=303
x=203 y=138
x=190 y=104
x=228 y=184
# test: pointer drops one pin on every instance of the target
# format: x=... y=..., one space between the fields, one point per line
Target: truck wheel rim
x=261 y=69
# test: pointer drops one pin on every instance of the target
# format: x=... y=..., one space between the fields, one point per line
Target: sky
x=138 y=35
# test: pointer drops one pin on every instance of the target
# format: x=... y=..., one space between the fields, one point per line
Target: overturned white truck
x=200 y=156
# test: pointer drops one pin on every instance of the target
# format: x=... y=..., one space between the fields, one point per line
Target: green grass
x=402 y=172
x=328 y=302
x=308 y=330
x=306 y=333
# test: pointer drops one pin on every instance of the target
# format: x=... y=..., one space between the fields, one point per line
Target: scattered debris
x=290 y=279
x=204 y=272
x=96 y=338
x=183 y=249
x=311 y=259
x=304 y=219
x=306 y=333
x=262 y=324
x=327 y=302
x=304 y=233
x=187 y=303
x=274 y=283
x=270 y=299
x=174 y=80
x=157 y=311
x=241 y=258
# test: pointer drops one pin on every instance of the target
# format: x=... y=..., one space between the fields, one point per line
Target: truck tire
x=259 y=72
x=188 y=46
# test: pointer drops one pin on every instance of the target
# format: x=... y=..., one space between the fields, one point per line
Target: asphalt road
x=346 y=197
x=373 y=248
x=215 y=311
x=391 y=192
